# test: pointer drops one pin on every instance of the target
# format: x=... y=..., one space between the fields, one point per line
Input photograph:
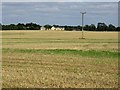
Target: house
x=53 y=28
x=58 y=28
x=42 y=28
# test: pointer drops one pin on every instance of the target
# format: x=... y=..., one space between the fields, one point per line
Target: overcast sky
x=59 y=0
x=62 y=13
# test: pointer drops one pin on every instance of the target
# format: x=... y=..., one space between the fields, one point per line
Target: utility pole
x=83 y=23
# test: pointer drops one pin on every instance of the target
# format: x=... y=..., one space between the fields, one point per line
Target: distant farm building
x=58 y=28
x=42 y=28
x=54 y=28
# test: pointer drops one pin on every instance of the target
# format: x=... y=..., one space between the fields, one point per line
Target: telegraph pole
x=83 y=23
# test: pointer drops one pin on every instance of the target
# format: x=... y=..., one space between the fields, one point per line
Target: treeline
x=21 y=26
x=34 y=26
x=101 y=27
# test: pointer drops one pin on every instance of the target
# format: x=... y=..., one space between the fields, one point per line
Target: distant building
x=42 y=28
x=53 y=28
x=58 y=28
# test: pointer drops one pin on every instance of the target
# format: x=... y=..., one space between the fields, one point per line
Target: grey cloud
x=60 y=0
x=58 y=12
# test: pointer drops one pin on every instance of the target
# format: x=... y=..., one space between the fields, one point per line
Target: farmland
x=59 y=59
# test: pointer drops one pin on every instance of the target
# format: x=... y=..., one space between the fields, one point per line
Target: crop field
x=59 y=59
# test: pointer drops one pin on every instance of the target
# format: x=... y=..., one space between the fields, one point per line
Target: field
x=59 y=59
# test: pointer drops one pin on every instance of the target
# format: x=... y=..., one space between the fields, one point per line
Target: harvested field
x=59 y=59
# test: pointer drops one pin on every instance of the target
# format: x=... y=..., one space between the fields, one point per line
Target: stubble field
x=59 y=59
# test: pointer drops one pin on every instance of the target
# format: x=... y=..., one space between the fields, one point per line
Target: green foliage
x=48 y=26
x=111 y=27
x=91 y=27
x=21 y=26
x=102 y=27
x=32 y=26
x=0 y=26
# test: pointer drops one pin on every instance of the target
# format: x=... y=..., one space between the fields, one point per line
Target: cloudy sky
x=62 y=13
x=60 y=0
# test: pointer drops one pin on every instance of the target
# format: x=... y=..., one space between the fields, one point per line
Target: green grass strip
x=88 y=53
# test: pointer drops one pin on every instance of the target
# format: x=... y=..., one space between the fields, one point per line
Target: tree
x=65 y=27
x=111 y=27
x=0 y=26
x=12 y=27
x=102 y=27
x=93 y=27
x=9 y=27
x=86 y=27
x=32 y=26
x=21 y=26
x=48 y=26
x=118 y=29
x=56 y=25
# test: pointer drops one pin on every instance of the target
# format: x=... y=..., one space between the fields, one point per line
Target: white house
x=42 y=28
x=53 y=28
x=58 y=28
